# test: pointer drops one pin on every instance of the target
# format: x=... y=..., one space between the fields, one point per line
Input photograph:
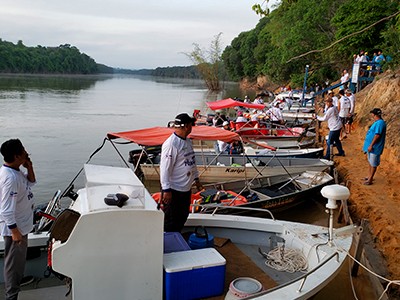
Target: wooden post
x=344 y=214
x=359 y=247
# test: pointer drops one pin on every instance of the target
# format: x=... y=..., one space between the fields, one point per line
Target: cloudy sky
x=126 y=33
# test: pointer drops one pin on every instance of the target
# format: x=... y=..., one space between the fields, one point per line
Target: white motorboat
x=227 y=168
x=119 y=252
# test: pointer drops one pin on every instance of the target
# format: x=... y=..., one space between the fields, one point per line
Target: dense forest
x=189 y=72
x=64 y=59
x=296 y=27
x=67 y=59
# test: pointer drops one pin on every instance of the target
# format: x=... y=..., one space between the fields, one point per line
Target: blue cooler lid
x=193 y=259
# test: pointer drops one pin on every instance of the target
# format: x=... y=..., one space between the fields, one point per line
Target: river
x=61 y=120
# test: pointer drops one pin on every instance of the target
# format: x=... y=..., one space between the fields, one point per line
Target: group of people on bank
x=338 y=113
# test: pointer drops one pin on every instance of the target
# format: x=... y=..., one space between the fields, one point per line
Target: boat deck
x=241 y=261
x=44 y=289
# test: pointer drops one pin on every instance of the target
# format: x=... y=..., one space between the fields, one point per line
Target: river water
x=62 y=120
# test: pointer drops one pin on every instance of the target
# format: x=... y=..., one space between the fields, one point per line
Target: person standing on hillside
x=16 y=212
x=344 y=107
x=349 y=94
x=335 y=99
x=374 y=143
x=335 y=125
x=178 y=171
x=344 y=79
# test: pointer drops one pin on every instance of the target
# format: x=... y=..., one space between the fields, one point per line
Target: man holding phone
x=16 y=212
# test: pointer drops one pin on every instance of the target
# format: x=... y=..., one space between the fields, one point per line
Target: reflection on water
x=57 y=84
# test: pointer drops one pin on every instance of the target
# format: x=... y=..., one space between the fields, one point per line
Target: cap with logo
x=183 y=119
x=376 y=111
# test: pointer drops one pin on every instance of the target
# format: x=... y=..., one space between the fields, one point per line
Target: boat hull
x=273 y=193
x=227 y=168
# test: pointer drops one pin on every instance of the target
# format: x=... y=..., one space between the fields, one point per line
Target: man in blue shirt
x=374 y=143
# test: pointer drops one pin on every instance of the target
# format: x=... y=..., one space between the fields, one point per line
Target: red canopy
x=226 y=103
x=157 y=135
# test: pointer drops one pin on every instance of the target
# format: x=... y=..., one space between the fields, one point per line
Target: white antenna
x=333 y=193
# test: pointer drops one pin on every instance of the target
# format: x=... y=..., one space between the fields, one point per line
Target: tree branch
x=343 y=38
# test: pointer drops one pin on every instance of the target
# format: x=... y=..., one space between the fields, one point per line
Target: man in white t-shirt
x=275 y=115
x=344 y=110
x=344 y=79
x=335 y=125
x=258 y=100
x=16 y=212
x=224 y=146
x=349 y=94
x=240 y=118
x=178 y=171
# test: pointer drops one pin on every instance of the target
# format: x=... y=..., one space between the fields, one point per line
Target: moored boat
x=118 y=252
x=273 y=193
x=261 y=129
x=217 y=168
x=226 y=168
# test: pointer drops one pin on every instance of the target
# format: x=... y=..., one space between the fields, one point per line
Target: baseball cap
x=376 y=111
x=225 y=123
x=349 y=91
x=330 y=92
x=183 y=119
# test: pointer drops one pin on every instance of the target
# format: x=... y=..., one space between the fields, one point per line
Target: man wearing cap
x=335 y=99
x=16 y=212
x=335 y=125
x=178 y=171
x=374 y=143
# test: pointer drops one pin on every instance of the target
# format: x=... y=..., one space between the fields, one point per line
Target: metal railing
x=302 y=279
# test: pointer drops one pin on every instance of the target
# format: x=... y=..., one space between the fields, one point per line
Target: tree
x=246 y=54
x=209 y=62
x=355 y=15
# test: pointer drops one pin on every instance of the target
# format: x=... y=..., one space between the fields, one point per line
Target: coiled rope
x=288 y=260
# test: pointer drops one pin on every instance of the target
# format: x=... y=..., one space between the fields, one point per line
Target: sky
x=132 y=34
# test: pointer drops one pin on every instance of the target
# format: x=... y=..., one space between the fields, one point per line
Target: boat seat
x=249 y=151
x=64 y=224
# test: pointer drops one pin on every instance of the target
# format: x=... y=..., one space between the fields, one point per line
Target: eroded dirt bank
x=379 y=202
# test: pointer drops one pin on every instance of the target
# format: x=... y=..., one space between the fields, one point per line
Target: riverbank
x=379 y=203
